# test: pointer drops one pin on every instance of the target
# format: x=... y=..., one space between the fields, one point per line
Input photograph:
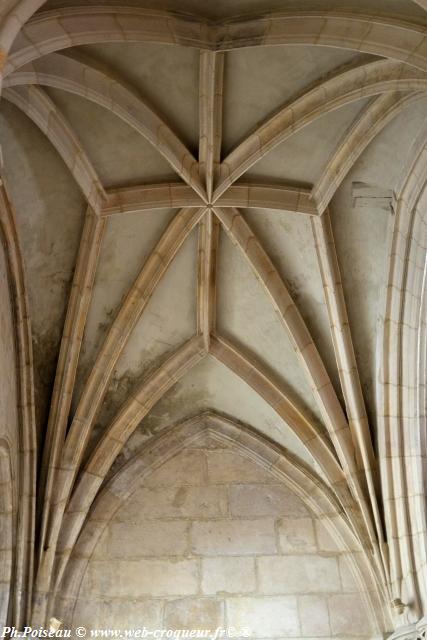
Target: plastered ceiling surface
x=257 y=82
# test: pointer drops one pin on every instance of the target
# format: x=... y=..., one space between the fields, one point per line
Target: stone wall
x=8 y=434
x=8 y=372
x=211 y=539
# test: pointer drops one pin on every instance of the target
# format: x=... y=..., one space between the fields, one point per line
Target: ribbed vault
x=242 y=230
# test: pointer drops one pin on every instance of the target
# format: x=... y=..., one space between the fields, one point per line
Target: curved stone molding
x=72 y=338
x=119 y=431
x=97 y=384
x=284 y=466
x=37 y=105
x=27 y=432
x=15 y=19
x=11 y=22
x=347 y=365
x=371 y=122
x=381 y=36
x=210 y=116
x=310 y=435
x=209 y=232
x=401 y=434
x=6 y=531
x=362 y=81
x=58 y=29
x=151 y=196
x=85 y=80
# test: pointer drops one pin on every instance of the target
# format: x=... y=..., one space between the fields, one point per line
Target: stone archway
x=214 y=518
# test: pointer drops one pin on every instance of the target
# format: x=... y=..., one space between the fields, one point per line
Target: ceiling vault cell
x=97 y=383
x=81 y=78
x=332 y=413
x=121 y=428
x=310 y=435
x=373 y=119
x=348 y=86
x=34 y=102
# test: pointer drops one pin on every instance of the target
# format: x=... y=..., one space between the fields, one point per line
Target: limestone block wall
x=211 y=539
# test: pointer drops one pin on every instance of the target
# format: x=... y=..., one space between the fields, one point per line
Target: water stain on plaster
x=174 y=407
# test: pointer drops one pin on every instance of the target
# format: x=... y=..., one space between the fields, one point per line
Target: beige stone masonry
x=59 y=29
x=25 y=534
x=265 y=579
x=266 y=593
x=240 y=532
